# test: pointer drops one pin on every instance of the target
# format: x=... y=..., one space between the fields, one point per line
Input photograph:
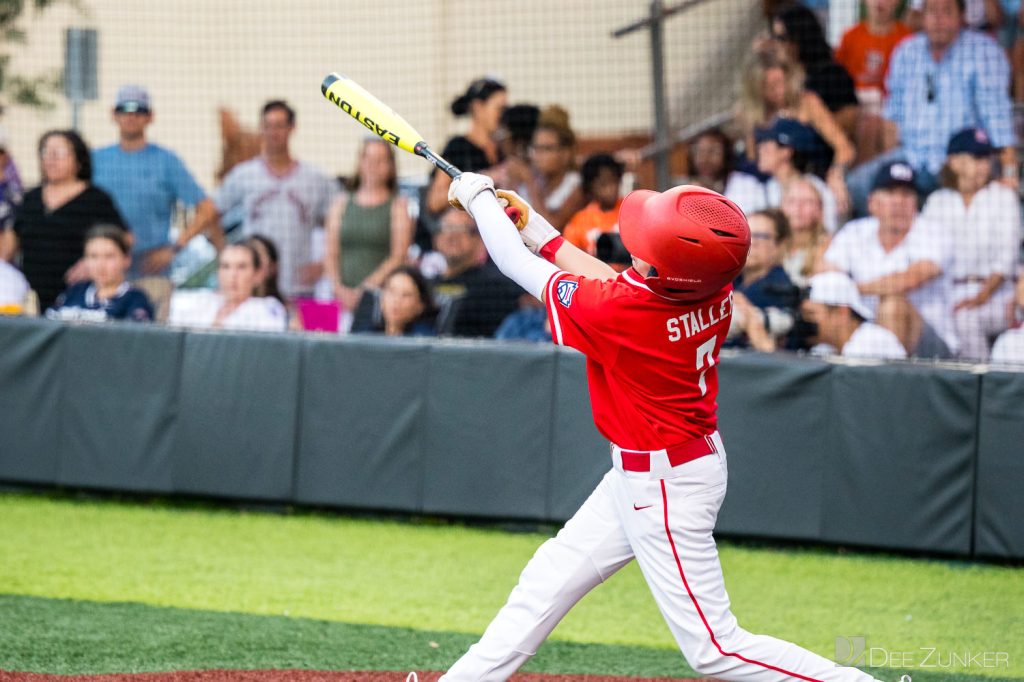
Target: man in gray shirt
x=281 y=198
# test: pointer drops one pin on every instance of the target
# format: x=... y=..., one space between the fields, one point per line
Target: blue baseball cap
x=973 y=141
x=894 y=174
x=131 y=99
x=789 y=133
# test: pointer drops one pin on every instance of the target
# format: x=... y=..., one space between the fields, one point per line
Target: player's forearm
x=994 y=281
x=507 y=249
x=896 y=283
x=578 y=262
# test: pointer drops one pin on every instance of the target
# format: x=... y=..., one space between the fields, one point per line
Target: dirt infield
x=299 y=676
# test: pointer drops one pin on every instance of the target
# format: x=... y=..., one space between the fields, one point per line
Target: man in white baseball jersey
x=900 y=263
x=844 y=322
x=282 y=198
x=651 y=336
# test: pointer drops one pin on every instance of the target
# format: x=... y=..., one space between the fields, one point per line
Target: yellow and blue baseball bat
x=381 y=120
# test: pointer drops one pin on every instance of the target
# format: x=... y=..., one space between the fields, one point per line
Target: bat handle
x=426 y=152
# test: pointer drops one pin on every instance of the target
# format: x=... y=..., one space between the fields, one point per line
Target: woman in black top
x=798 y=28
x=53 y=218
x=485 y=101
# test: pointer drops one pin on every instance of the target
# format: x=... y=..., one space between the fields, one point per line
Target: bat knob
x=514 y=214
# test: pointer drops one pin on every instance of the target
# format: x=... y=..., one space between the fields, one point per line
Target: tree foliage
x=33 y=90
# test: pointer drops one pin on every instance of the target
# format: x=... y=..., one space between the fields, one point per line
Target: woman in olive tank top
x=368 y=230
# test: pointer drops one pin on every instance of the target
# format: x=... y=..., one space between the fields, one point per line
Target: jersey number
x=706 y=359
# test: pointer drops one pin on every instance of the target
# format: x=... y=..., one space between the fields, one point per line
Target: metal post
x=661 y=125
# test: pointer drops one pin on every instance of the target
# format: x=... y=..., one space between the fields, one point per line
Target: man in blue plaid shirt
x=942 y=80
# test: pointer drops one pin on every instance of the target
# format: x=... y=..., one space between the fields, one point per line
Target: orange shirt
x=589 y=223
x=866 y=56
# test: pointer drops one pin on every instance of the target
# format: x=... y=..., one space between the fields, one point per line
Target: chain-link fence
x=872 y=148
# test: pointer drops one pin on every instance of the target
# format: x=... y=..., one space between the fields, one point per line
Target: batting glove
x=465 y=188
x=534 y=229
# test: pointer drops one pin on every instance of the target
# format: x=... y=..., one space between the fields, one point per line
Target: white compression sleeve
x=506 y=248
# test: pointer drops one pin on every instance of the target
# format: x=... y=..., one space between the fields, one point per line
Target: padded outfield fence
x=895 y=456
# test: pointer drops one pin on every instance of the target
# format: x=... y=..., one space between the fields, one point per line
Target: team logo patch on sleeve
x=566 y=288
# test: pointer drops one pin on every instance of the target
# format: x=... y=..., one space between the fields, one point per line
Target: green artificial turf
x=59 y=636
x=452 y=579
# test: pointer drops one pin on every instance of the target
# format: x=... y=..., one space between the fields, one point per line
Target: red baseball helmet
x=696 y=239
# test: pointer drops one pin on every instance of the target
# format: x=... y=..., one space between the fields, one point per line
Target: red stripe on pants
x=700 y=612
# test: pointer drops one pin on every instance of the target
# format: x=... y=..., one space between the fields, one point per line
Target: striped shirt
x=929 y=101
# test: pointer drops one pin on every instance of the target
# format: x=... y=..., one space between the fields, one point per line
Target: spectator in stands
x=10 y=190
x=981 y=15
x=1009 y=347
x=900 y=263
x=551 y=183
x=941 y=81
x=864 y=52
x=763 y=297
x=529 y=323
x=772 y=86
x=782 y=155
x=485 y=297
x=369 y=230
x=710 y=160
x=844 y=323
x=281 y=197
x=797 y=28
x=602 y=177
x=983 y=219
x=147 y=182
x=14 y=290
x=804 y=252
x=267 y=278
x=477 y=151
x=233 y=305
x=406 y=303
x=51 y=223
x=866 y=48
x=106 y=295
x=518 y=124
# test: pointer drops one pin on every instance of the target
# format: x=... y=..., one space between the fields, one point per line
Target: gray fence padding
x=119 y=407
x=489 y=411
x=363 y=414
x=901 y=471
x=238 y=404
x=31 y=381
x=999 y=496
x=579 y=454
x=892 y=456
x=772 y=417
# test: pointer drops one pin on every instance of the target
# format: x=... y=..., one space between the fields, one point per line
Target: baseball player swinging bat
x=381 y=120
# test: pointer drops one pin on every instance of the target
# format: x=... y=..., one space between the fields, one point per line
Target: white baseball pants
x=663 y=519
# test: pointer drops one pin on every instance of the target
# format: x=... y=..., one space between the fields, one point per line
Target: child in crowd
x=106 y=294
x=602 y=179
x=233 y=305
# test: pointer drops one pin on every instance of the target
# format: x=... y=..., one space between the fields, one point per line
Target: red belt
x=640 y=461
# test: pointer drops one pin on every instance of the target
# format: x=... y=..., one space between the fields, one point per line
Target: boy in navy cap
x=784 y=152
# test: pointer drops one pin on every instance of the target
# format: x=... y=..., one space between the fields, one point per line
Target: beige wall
x=197 y=55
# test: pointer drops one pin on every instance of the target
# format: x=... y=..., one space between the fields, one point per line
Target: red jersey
x=651 y=361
